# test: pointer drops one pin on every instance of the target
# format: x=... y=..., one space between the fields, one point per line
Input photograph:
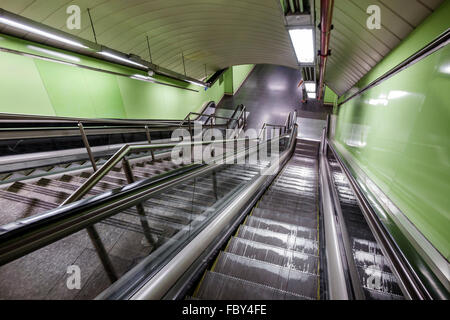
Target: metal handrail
x=70 y=127
x=162 y=280
x=213 y=116
x=29 y=234
x=288 y=124
x=342 y=275
x=120 y=154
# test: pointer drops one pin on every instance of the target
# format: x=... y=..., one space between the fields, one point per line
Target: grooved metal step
x=274 y=255
x=268 y=274
x=217 y=286
x=281 y=227
x=277 y=239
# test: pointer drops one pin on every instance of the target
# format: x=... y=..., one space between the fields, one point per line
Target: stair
x=170 y=216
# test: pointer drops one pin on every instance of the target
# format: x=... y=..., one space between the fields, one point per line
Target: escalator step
x=305 y=209
x=378 y=295
x=281 y=240
x=364 y=259
x=375 y=279
x=286 y=217
x=217 y=286
x=280 y=227
x=275 y=255
x=268 y=274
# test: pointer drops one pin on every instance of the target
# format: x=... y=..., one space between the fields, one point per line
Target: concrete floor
x=270 y=93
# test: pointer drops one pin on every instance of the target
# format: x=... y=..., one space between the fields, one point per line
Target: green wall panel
x=67 y=89
x=64 y=90
x=21 y=88
x=399 y=134
x=105 y=95
x=330 y=96
x=228 y=81
x=240 y=73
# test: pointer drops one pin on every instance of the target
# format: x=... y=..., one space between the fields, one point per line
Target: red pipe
x=326 y=15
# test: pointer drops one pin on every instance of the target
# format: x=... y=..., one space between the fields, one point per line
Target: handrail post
x=149 y=138
x=92 y=232
x=102 y=254
x=87 y=146
x=140 y=209
x=214 y=178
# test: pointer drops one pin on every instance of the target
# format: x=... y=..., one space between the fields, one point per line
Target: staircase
x=128 y=237
x=27 y=197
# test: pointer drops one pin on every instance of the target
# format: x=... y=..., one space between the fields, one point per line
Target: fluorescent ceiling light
x=311 y=95
x=54 y=53
x=40 y=32
x=113 y=56
x=310 y=87
x=303 y=42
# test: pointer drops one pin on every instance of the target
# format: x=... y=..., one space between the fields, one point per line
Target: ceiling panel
x=218 y=33
x=355 y=49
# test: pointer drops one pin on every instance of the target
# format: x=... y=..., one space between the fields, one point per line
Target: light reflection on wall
x=355 y=135
x=54 y=53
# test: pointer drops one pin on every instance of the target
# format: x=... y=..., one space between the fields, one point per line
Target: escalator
x=223 y=230
x=275 y=252
x=374 y=271
x=21 y=199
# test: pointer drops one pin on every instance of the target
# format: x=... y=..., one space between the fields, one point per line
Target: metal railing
x=121 y=154
x=22 y=127
x=156 y=284
x=29 y=234
x=290 y=121
x=16 y=126
x=241 y=120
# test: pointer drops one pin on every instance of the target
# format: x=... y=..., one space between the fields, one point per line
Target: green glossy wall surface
x=34 y=86
x=399 y=133
x=329 y=96
x=240 y=73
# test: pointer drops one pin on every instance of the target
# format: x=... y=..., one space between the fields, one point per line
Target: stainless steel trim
x=337 y=284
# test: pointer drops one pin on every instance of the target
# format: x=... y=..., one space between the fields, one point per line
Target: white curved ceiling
x=218 y=33
x=221 y=33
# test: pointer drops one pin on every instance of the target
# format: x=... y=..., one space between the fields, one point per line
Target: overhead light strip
x=113 y=56
x=45 y=34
